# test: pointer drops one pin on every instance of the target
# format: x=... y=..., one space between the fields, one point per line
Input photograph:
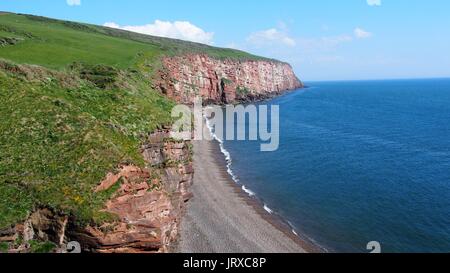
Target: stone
x=224 y=81
x=149 y=216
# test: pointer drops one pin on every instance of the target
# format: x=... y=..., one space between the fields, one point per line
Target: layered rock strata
x=224 y=81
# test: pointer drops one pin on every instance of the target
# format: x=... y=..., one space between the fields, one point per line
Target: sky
x=321 y=39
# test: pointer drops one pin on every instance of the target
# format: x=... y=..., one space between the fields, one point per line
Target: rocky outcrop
x=43 y=225
x=38 y=74
x=5 y=41
x=147 y=206
x=149 y=202
x=224 y=81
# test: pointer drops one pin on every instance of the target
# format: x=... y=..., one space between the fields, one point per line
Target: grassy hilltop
x=56 y=44
x=75 y=101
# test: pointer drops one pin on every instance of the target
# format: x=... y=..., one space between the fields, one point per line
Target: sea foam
x=249 y=192
x=266 y=208
x=223 y=150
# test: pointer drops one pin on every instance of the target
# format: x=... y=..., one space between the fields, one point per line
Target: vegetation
x=242 y=91
x=41 y=247
x=56 y=44
x=4 y=247
x=226 y=81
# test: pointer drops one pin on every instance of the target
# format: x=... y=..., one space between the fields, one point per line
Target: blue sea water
x=358 y=161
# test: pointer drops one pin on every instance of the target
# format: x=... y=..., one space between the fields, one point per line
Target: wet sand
x=221 y=218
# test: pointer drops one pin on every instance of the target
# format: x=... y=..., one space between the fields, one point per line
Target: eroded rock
x=224 y=81
x=149 y=203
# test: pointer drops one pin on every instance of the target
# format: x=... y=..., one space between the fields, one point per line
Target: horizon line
x=380 y=79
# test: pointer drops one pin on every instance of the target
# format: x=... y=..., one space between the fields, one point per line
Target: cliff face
x=224 y=81
x=147 y=204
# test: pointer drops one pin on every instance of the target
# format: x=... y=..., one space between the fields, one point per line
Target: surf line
x=229 y=163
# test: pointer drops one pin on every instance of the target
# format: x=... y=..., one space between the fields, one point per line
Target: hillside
x=78 y=102
x=56 y=44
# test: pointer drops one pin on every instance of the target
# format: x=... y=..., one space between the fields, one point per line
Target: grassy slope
x=57 y=143
x=58 y=140
x=59 y=43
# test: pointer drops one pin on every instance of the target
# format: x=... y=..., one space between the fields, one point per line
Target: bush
x=242 y=91
x=100 y=75
x=41 y=247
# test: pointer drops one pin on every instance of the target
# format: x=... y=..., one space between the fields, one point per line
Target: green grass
x=4 y=247
x=8 y=34
x=56 y=44
x=41 y=247
x=242 y=91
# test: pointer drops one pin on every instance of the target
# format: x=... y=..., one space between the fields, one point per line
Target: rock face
x=149 y=203
x=224 y=81
x=42 y=225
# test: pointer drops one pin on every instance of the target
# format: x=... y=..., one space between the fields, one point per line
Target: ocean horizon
x=309 y=82
x=359 y=161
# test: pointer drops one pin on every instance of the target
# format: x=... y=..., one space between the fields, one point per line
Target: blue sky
x=322 y=39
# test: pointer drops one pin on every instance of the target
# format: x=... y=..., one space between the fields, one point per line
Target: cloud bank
x=73 y=2
x=182 y=30
x=374 y=2
x=269 y=37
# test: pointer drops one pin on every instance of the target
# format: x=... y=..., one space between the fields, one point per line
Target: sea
x=358 y=162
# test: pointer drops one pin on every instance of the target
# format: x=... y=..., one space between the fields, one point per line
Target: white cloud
x=73 y=2
x=182 y=30
x=374 y=2
x=271 y=37
x=111 y=25
x=361 y=33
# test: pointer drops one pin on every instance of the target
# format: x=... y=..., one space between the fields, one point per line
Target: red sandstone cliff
x=224 y=81
x=148 y=204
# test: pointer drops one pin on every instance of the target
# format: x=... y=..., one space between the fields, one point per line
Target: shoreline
x=272 y=218
x=223 y=218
